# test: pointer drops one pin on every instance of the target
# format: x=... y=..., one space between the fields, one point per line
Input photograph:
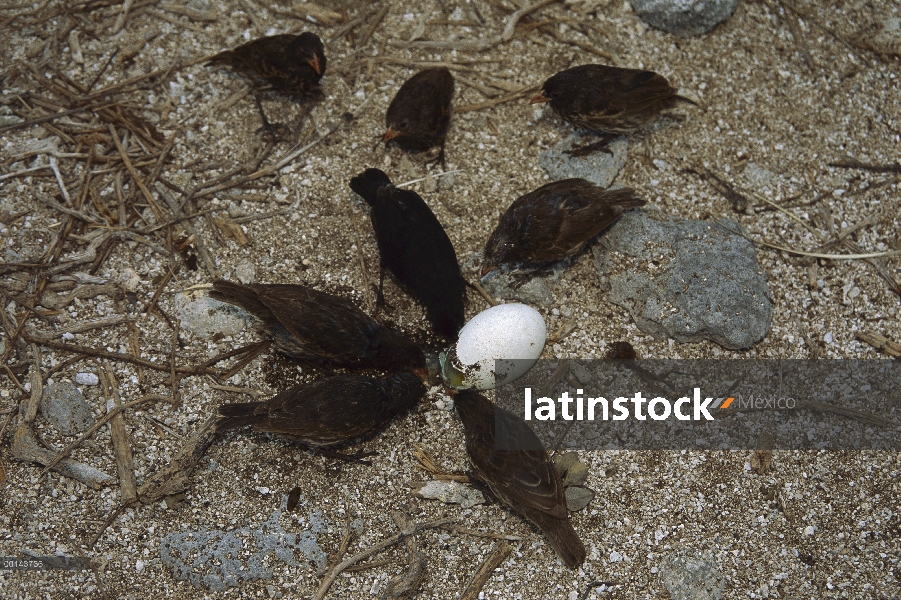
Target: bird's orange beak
x=390 y=135
x=539 y=98
x=486 y=268
x=317 y=66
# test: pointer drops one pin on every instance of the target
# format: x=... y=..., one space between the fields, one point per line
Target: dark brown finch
x=292 y=64
x=322 y=329
x=415 y=248
x=609 y=99
x=331 y=411
x=524 y=479
x=419 y=115
x=554 y=222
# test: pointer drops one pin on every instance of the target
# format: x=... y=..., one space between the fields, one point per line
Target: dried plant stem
x=498 y=555
x=109 y=415
x=121 y=448
x=330 y=577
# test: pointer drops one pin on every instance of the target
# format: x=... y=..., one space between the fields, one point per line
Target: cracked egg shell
x=512 y=334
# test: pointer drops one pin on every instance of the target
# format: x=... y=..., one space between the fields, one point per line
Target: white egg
x=512 y=334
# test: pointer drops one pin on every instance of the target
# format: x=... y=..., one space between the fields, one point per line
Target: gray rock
x=687 y=280
x=64 y=407
x=218 y=559
x=507 y=283
x=599 y=167
x=685 y=18
x=206 y=316
x=451 y=492
x=758 y=177
x=577 y=474
x=245 y=272
x=578 y=498
x=87 y=379
x=692 y=575
x=564 y=461
x=447 y=182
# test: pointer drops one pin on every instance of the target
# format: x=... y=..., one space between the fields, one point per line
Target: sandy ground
x=815 y=525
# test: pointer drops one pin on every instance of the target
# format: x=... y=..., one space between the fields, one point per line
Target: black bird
x=525 y=480
x=292 y=64
x=608 y=100
x=322 y=329
x=554 y=222
x=329 y=412
x=419 y=115
x=415 y=248
x=287 y=63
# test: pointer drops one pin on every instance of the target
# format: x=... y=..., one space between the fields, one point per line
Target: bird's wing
x=328 y=411
x=327 y=325
x=524 y=477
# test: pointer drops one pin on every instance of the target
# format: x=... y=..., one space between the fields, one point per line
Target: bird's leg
x=271 y=130
x=594 y=146
x=380 y=298
x=438 y=159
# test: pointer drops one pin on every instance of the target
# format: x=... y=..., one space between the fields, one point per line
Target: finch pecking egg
x=497 y=346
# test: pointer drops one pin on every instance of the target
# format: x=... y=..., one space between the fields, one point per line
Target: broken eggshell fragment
x=496 y=347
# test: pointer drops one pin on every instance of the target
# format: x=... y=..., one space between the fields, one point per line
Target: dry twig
x=498 y=555
x=333 y=573
x=880 y=342
x=481 y=45
x=109 y=415
x=495 y=101
x=121 y=448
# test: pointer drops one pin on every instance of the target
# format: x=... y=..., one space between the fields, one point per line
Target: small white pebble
x=68 y=336
x=86 y=379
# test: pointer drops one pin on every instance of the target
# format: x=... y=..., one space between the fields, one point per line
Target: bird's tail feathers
x=232 y=416
x=223 y=58
x=625 y=198
x=562 y=538
x=690 y=101
x=239 y=295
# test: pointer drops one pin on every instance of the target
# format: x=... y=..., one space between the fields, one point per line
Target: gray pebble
x=64 y=406
x=206 y=316
x=506 y=283
x=451 y=492
x=685 y=18
x=430 y=184
x=599 y=167
x=9 y=120
x=245 y=272
x=447 y=181
x=578 y=498
x=692 y=575
x=565 y=461
x=87 y=379
x=577 y=474
x=688 y=280
x=757 y=176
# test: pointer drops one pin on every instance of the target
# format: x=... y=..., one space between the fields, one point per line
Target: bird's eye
x=402 y=125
